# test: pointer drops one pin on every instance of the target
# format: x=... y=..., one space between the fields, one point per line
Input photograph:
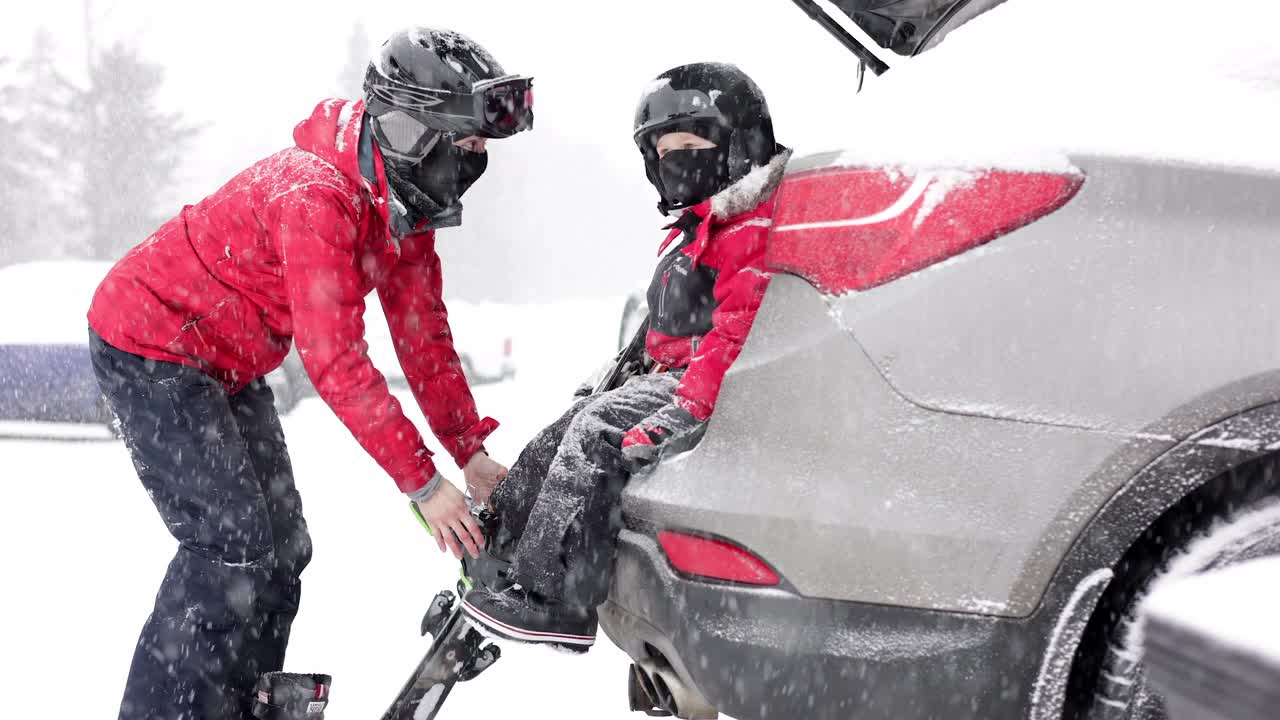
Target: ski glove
x=642 y=443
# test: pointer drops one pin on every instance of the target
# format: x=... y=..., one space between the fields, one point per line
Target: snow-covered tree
x=47 y=155
x=13 y=176
x=131 y=150
x=351 y=78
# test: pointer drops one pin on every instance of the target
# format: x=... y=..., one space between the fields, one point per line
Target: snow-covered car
x=45 y=373
x=481 y=336
x=1018 y=352
x=290 y=383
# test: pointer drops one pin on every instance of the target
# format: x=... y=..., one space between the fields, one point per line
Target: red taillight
x=716 y=559
x=506 y=347
x=855 y=228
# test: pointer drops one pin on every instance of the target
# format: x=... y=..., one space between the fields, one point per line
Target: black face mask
x=438 y=180
x=448 y=171
x=691 y=176
x=414 y=207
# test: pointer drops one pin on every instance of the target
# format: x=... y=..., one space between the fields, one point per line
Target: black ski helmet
x=714 y=100
x=425 y=87
x=445 y=81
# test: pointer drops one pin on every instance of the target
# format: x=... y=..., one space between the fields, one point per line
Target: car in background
x=987 y=397
x=481 y=337
x=45 y=373
x=46 y=377
x=290 y=383
x=635 y=310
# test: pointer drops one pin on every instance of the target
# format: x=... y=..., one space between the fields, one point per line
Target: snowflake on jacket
x=704 y=297
x=286 y=252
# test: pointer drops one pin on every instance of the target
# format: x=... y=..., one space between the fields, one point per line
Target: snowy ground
x=84 y=550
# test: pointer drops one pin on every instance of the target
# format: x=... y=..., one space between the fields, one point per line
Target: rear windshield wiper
x=820 y=16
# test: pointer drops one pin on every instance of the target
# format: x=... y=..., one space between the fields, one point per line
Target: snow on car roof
x=1034 y=80
x=46 y=302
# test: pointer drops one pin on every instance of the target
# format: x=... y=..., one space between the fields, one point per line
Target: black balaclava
x=691 y=176
x=715 y=101
x=430 y=189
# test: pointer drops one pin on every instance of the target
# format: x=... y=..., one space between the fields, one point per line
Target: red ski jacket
x=705 y=293
x=286 y=252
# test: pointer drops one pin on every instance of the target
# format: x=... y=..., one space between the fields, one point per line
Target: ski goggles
x=504 y=106
x=496 y=108
x=404 y=136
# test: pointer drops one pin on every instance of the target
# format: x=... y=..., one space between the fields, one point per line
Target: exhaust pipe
x=656 y=690
x=641 y=695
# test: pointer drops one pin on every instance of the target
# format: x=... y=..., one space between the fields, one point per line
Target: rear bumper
x=767 y=653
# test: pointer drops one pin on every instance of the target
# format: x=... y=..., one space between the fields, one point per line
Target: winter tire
x=1231 y=520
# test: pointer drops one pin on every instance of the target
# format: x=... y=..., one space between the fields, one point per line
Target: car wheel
x=1234 y=519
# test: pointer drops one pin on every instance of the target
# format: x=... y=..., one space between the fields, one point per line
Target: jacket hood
x=332 y=133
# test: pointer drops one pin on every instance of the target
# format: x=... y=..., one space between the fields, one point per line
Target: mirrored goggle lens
x=402 y=133
x=508 y=108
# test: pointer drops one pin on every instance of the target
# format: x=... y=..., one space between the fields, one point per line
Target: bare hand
x=451 y=523
x=483 y=474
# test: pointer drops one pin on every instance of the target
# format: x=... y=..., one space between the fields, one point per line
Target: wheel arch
x=1209 y=468
x=1166 y=482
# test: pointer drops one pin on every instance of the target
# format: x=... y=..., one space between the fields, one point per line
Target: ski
x=458 y=653
x=631 y=360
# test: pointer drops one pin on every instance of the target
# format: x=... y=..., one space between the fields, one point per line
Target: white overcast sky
x=248 y=71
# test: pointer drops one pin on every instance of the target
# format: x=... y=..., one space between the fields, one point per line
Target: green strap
x=418 y=514
x=462 y=571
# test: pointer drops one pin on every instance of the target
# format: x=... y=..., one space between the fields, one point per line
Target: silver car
x=972 y=424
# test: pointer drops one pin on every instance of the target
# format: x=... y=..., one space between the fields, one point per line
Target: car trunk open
x=907 y=27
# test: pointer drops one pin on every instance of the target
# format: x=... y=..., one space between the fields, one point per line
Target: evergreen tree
x=49 y=222
x=12 y=173
x=351 y=78
x=131 y=151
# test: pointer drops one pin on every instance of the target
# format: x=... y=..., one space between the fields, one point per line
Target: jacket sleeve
x=413 y=304
x=739 y=288
x=319 y=236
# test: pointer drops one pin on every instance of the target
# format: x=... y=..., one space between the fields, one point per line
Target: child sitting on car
x=707 y=140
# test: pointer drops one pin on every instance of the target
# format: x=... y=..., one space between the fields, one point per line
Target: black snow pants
x=218 y=471
x=558 y=507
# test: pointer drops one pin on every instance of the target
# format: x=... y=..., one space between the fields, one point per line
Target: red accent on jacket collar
x=707 y=222
x=678 y=227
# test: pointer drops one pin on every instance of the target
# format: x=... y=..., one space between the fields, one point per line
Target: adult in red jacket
x=707 y=139
x=187 y=324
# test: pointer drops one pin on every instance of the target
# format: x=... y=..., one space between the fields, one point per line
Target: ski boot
x=492 y=568
x=291 y=696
